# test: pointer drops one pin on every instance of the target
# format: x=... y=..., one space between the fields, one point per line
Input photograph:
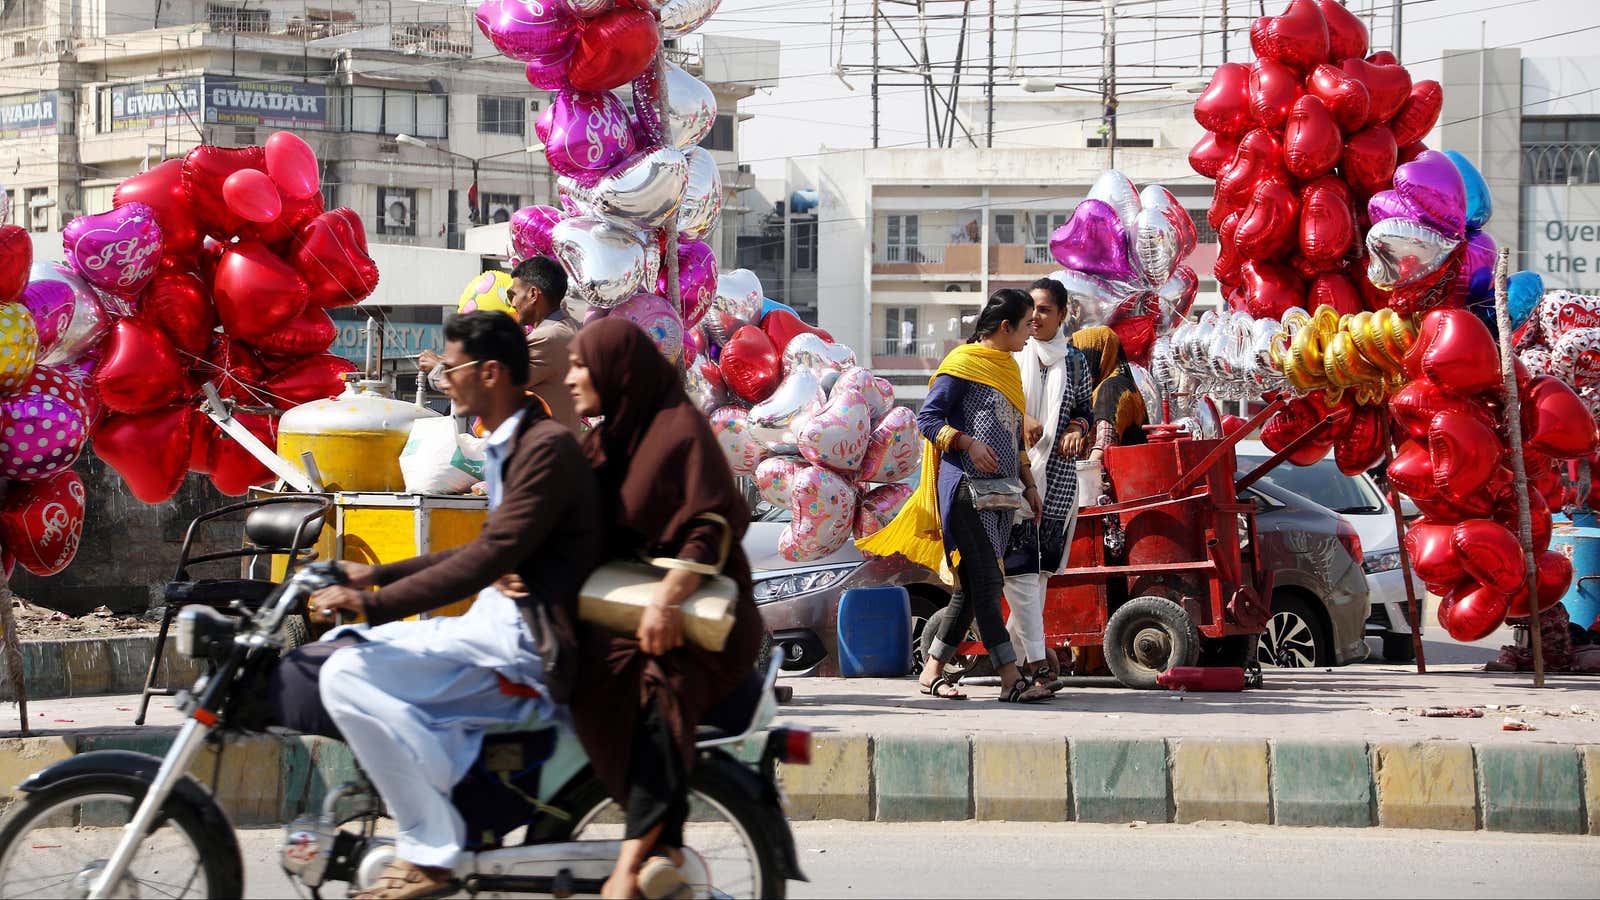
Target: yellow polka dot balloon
x=19 y=346
x=487 y=293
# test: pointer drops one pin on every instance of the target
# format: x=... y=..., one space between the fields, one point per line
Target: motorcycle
x=115 y=823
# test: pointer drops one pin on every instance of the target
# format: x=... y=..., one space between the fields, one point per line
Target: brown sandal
x=402 y=880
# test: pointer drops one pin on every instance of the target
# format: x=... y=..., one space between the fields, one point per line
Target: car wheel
x=1397 y=648
x=1147 y=636
x=1295 y=638
x=960 y=665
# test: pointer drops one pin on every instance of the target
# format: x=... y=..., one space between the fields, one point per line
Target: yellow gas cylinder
x=355 y=438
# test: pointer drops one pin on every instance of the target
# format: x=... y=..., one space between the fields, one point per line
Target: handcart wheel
x=1147 y=636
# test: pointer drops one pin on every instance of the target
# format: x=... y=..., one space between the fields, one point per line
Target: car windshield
x=1321 y=483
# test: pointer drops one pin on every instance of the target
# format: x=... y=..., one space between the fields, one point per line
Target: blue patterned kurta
x=984 y=413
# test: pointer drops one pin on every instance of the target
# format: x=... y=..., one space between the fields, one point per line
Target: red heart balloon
x=1449 y=511
x=1382 y=58
x=1361 y=445
x=1430 y=292
x=751 y=365
x=179 y=304
x=1271 y=289
x=1335 y=290
x=1260 y=159
x=1232 y=423
x=1538 y=513
x=1346 y=97
x=1212 y=152
x=233 y=368
x=1312 y=145
x=1409 y=152
x=1552 y=575
x=233 y=470
x=256 y=292
x=1389 y=86
x=1418 y=114
x=310 y=332
x=1415 y=405
x=1472 y=612
x=1456 y=351
x=1465 y=454
x=1555 y=421
x=1300 y=416
x=149 y=450
x=1298 y=38
x=139 y=370
x=613 y=49
x=1219 y=210
x=279 y=234
x=1327 y=223
x=1229 y=259
x=1433 y=555
x=162 y=189
x=1347 y=34
x=205 y=168
x=782 y=326
x=1369 y=159
x=41 y=522
x=1224 y=106
x=1274 y=88
x=1411 y=471
x=1266 y=228
x=331 y=253
x=317 y=378
x=16 y=259
x=1490 y=554
x=203 y=432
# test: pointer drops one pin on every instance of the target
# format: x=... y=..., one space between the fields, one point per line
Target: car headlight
x=779 y=587
x=1381 y=562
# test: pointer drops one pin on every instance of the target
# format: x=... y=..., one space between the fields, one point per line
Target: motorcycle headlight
x=783 y=586
x=203 y=632
x=1381 y=562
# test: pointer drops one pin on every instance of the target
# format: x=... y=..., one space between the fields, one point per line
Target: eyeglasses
x=446 y=372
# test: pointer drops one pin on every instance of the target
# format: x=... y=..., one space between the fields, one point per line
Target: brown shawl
x=659 y=468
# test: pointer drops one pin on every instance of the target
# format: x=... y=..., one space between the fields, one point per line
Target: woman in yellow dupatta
x=971 y=423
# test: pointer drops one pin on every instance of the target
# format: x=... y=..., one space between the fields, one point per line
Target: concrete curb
x=1499 y=786
x=81 y=667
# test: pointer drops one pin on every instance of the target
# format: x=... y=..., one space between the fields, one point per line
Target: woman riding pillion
x=976 y=482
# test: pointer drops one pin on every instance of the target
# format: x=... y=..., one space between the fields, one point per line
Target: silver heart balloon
x=707 y=396
x=711 y=327
x=679 y=17
x=813 y=352
x=1404 y=251
x=777 y=421
x=739 y=294
x=691 y=107
x=1114 y=188
x=1149 y=390
x=587 y=9
x=72 y=307
x=839 y=356
x=652 y=259
x=1097 y=297
x=575 y=197
x=829 y=379
x=1209 y=417
x=1163 y=235
x=702 y=199
x=605 y=264
x=644 y=190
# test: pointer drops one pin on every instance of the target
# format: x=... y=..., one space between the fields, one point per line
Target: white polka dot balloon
x=42 y=429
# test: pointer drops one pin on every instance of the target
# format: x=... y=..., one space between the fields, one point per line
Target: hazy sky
x=812 y=108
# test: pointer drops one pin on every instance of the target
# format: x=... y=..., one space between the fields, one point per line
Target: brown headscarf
x=654 y=454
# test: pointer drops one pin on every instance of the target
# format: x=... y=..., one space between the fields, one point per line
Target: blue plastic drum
x=875 y=633
x=1580 y=541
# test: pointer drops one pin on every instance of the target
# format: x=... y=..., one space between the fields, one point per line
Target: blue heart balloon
x=1524 y=290
x=769 y=305
x=1479 y=206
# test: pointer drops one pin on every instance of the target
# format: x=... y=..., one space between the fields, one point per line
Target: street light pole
x=1108 y=10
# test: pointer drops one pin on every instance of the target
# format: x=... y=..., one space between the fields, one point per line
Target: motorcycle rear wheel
x=54 y=841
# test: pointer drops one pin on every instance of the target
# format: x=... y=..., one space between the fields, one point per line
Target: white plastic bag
x=437 y=460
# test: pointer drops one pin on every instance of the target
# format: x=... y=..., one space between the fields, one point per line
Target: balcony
x=963 y=260
x=922 y=353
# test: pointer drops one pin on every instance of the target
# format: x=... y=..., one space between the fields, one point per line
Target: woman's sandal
x=937 y=689
x=660 y=879
x=1024 y=691
x=1043 y=677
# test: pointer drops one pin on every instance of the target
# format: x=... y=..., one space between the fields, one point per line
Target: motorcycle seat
x=732 y=717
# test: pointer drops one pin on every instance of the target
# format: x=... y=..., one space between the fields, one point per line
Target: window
x=1561 y=150
x=380 y=111
x=1123 y=142
x=497 y=208
x=225 y=17
x=397 y=210
x=1204 y=233
x=804 y=254
x=1005 y=228
x=900 y=331
x=1045 y=224
x=501 y=115
x=721 y=135
x=35 y=211
x=901 y=245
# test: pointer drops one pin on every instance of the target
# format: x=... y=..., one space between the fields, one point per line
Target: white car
x=1358 y=499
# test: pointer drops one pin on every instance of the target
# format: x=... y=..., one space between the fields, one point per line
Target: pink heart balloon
x=527 y=29
x=45 y=425
x=894 y=450
x=775 y=477
x=530 y=231
x=1432 y=186
x=878 y=508
x=655 y=315
x=1093 y=241
x=879 y=393
x=697 y=280
x=731 y=425
x=838 y=435
x=116 y=251
x=824 y=507
x=585 y=134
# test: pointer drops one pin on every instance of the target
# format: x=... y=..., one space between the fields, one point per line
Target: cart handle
x=1227 y=443
x=1289 y=449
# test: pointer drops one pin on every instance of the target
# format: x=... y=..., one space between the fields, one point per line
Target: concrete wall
x=1494 y=103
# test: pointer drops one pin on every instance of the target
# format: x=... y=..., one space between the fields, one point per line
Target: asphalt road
x=973 y=859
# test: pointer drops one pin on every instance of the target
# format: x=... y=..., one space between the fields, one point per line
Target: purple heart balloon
x=1477 y=267
x=527 y=29
x=697 y=280
x=548 y=72
x=530 y=231
x=65 y=310
x=585 y=134
x=1431 y=185
x=115 y=251
x=1093 y=241
x=1388 y=205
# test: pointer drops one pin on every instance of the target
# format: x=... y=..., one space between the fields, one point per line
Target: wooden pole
x=670 y=251
x=13 y=651
x=1519 y=468
x=1413 y=607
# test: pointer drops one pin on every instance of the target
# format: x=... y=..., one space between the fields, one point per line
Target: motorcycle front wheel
x=56 y=841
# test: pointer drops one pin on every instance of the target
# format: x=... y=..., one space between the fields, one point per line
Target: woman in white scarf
x=1058 y=386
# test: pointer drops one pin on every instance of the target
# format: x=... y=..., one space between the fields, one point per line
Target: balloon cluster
x=1123 y=251
x=1296 y=142
x=820 y=434
x=625 y=176
x=1557 y=333
x=1452 y=465
x=218 y=267
x=1426 y=244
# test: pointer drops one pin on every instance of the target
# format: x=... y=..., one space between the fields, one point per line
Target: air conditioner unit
x=388 y=145
x=496 y=211
x=39 y=218
x=399 y=210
